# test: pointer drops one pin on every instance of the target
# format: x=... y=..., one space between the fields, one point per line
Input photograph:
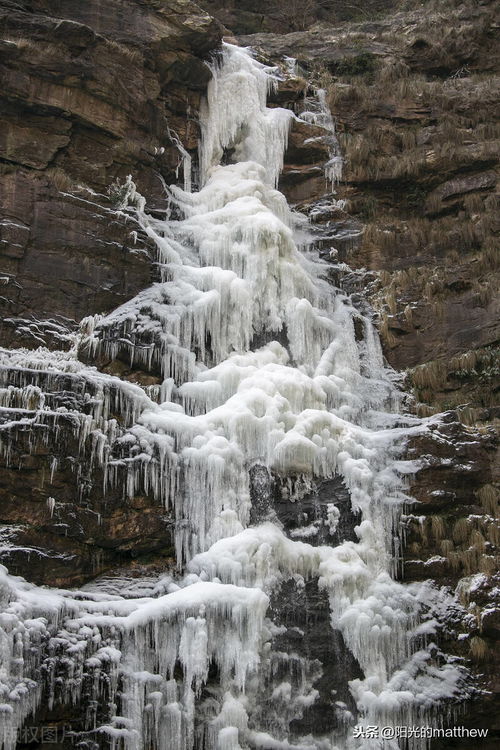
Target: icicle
x=234 y=284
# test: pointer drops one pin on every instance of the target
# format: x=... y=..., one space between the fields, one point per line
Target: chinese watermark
x=395 y=732
x=50 y=734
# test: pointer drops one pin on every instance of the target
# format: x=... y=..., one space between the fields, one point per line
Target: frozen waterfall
x=261 y=367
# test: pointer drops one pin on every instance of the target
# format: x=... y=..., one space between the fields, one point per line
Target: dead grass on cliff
x=366 y=161
x=471 y=361
x=446 y=546
x=471 y=416
x=470 y=561
x=489 y=497
x=425 y=410
x=59 y=179
x=478 y=649
x=468 y=546
x=403 y=295
x=470 y=100
x=494 y=534
x=452 y=239
x=429 y=375
x=21 y=42
x=438 y=528
x=130 y=54
x=477 y=367
x=36 y=49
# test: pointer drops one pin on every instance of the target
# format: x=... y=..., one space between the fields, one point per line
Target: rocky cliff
x=415 y=98
x=93 y=93
x=90 y=94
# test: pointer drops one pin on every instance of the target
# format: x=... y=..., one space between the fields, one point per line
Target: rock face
x=88 y=100
x=421 y=144
x=414 y=96
x=418 y=127
x=90 y=94
x=89 y=90
x=61 y=521
x=254 y=16
x=452 y=537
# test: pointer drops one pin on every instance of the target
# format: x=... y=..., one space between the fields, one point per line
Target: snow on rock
x=143 y=640
x=191 y=658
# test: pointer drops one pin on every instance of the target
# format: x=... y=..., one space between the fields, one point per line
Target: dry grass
x=476 y=539
x=60 y=179
x=431 y=375
x=21 y=42
x=488 y=565
x=130 y=54
x=471 y=561
x=365 y=163
x=478 y=649
x=438 y=528
x=472 y=363
x=493 y=532
x=489 y=497
x=446 y=546
x=469 y=544
x=438 y=236
x=35 y=49
x=425 y=410
x=461 y=530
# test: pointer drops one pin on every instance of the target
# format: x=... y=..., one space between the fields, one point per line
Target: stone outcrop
x=91 y=92
x=254 y=16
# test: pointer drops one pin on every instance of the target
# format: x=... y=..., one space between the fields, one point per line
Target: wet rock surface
x=303 y=613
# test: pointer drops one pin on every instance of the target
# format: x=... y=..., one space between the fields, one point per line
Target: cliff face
x=275 y=16
x=89 y=90
x=414 y=98
x=92 y=94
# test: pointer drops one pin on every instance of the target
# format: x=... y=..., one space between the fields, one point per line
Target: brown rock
x=86 y=100
x=57 y=525
x=445 y=195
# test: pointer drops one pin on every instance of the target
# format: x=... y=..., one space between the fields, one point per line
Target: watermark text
x=390 y=733
x=50 y=734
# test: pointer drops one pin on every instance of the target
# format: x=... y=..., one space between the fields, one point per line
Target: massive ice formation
x=260 y=367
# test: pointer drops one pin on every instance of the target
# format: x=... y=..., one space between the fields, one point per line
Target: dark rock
x=304 y=613
x=445 y=196
x=87 y=90
x=327 y=46
x=58 y=526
